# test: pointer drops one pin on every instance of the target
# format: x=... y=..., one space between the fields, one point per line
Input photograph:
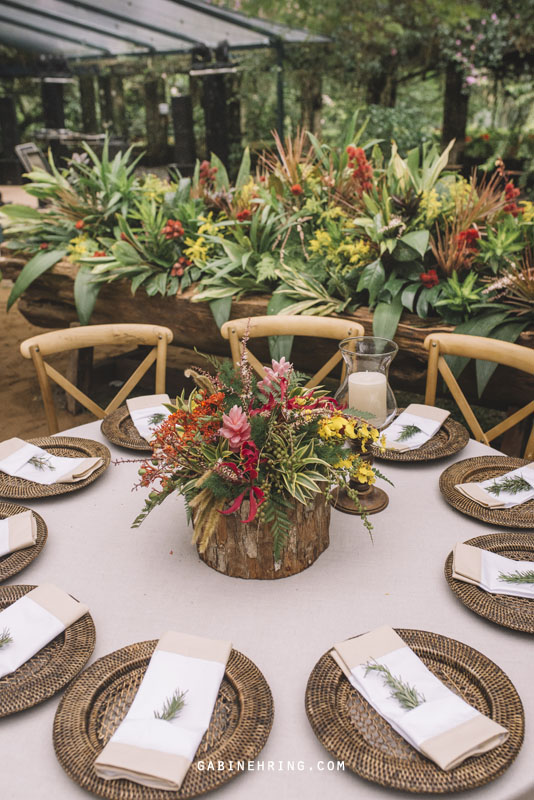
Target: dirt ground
x=20 y=397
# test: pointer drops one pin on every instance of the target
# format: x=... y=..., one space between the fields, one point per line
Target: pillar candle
x=368 y=393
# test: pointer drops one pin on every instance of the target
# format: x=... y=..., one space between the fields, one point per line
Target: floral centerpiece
x=255 y=449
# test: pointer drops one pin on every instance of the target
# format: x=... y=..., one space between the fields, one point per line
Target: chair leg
x=529 y=449
x=432 y=374
x=161 y=361
x=46 y=391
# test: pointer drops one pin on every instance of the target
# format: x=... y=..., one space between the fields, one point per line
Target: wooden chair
x=286 y=325
x=47 y=344
x=456 y=344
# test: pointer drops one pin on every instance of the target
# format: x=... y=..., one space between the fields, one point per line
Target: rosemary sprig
x=406 y=695
x=407 y=432
x=509 y=486
x=156 y=418
x=172 y=706
x=41 y=462
x=525 y=576
x=5 y=637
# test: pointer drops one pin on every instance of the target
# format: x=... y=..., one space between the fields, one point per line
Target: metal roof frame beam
x=75 y=24
x=62 y=36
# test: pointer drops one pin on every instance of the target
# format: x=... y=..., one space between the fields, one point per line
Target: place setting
x=46 y=638
x=23 y=534
x=415 y=711
x=146 y=721
x=49 y=466
x=494 y=489
x=132 y=425
x=493 y=575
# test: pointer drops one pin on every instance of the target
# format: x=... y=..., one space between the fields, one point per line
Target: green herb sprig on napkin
x=525 y=576
x=509 y=486
x=172 y=706
x=5 y=637
x=406 y=695
x=408 y=431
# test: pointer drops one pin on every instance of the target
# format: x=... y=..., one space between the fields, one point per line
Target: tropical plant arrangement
x=266 y=443
x=321 y=229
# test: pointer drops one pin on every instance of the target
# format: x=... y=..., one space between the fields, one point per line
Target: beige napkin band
x=375 y=644
x=58 y=603
x=467 y=563
x=139 y=403
x=184 y=644
x=428 y=412
x=477 y=735
x=476 y=493
x=10 y=446
x=22 y=531
x=82 y=471
x=152 y=767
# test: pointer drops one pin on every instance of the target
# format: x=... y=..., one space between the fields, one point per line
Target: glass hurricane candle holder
x=366 y=391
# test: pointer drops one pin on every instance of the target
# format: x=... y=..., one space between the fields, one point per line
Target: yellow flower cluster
x=528 y=211
x=196 y=251
x=321 y=242
x=356 y=252
x=430 y=205
x=154 y=188
x=334 y=212
x=208 y=227
x=338 y=427
x=364 y=473
x=77 y=247
x=459 y=191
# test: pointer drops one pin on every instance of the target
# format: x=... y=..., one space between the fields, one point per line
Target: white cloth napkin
x=483 y=568
x=142 y=409
x=15 y=455
x=443 y=727
x=156 y=752
x=17 y=532
x=427 y=419
x=480 y=494
x=33 y=621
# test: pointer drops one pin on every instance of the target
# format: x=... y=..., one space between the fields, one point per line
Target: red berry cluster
x=511 y=192
x=99 y=254
x=179 y=267
x=244 y=216
x=429 y=279
x=173 y=229
x=79 y=224
x=362 y=171
x=467 y=238
x=296 y=189
x=206 y=173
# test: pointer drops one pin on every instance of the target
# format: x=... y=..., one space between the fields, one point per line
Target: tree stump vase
x=245 y=550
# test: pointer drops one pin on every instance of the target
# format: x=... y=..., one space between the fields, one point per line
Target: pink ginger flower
x=235 y=427
x=280 y=369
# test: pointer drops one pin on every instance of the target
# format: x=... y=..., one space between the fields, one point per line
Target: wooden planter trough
x=49 y=303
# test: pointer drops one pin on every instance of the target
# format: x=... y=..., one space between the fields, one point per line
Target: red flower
x=296 y=189
x=429 y=279
x=485 y=136
x=468 y=237
x=351 y=151
x=468 y=139
x=362 y=171
x=99 y=254
x=44 y=246
x=79 y=224
x=244 y=215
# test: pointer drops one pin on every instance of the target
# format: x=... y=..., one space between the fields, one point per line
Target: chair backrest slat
x=91 y=336
x=289 y=325
x=486 y=349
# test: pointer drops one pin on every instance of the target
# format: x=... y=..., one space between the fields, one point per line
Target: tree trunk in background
x=88 y=103
x=53 y=112
x=156 y=123
x=106 y=101
x=120 y=122
x=184 y=135
x=455 y=107
x=216 y=116
x=311 y=100
x=382 y=87
x=233 y=110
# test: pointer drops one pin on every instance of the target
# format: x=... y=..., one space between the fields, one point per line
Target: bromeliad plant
x=263 y=445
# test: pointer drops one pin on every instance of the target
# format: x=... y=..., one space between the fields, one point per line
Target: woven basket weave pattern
x=450 y=439
x=352 y=731
x=12 y=563
x=510 y=612
x=120 y=430
x=97 y=701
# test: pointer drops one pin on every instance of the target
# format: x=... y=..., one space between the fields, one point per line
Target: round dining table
x=140 y=582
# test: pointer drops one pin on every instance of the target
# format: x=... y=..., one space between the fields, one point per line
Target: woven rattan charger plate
x=450 y=439
x=352 y=731
x=51 y=668
x=119 y=429
x=12 y=563
x=97 y=701
x=67 y=446
x=510 y=612
x=474 y=470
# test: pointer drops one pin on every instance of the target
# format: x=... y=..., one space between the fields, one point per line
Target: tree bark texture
x=88 y=103
x=156 y=123
x=245 y=550
x=49 y=303
x=455 y=106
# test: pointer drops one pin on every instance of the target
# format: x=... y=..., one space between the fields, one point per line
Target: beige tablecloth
x=139 y=583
